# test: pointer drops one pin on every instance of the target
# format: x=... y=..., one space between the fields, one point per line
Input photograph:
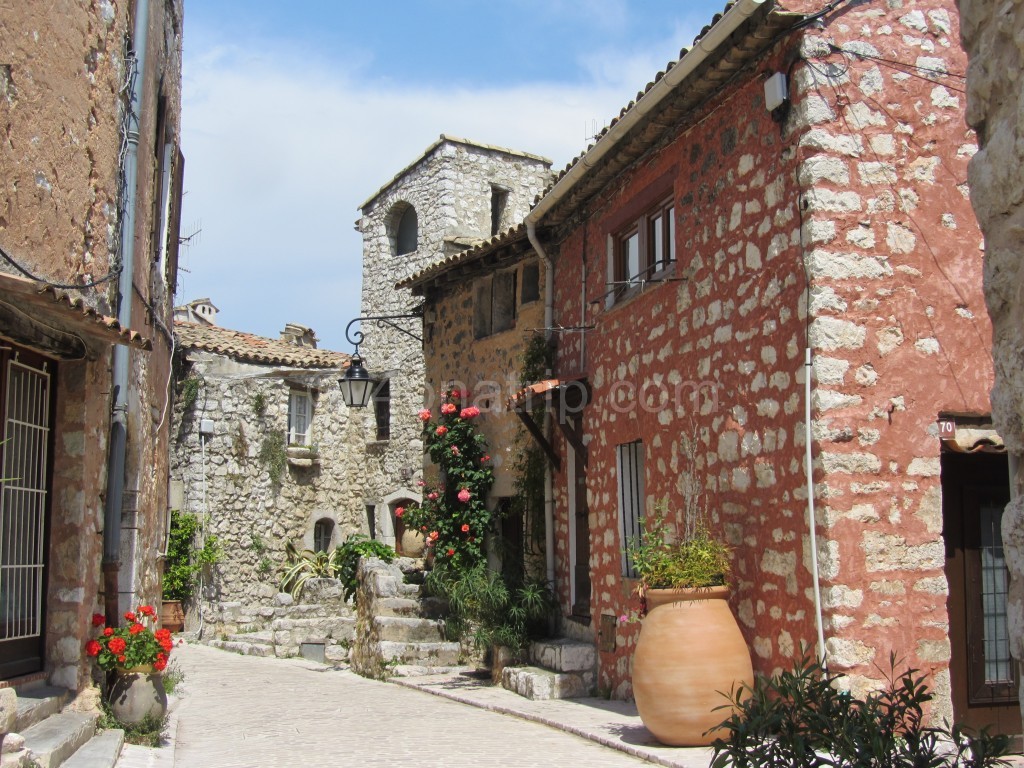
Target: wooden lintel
x=538 y=435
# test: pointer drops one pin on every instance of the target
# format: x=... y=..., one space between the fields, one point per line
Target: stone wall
x=845 y=229
x=224 y=481
x=61 y=106
x=991 y=34
x=450 y=187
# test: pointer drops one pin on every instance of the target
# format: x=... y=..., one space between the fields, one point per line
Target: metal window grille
x=23 y=501
x=994 y=590
x=630 y=462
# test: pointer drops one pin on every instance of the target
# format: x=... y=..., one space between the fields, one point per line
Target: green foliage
x=340 y=564
x=190 y=391
x=802 y=718
x=273 y=455
x=172 y=677
x=694 y=560
x=495 y=610
x=346 y=559
x=259 y=404
x=148 y=732
x=454 y=516
x=537 y=360
x=185 y=560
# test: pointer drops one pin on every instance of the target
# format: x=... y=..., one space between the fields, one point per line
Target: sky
x=295 y=113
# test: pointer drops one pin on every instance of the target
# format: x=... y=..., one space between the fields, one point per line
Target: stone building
x=91 y=180
x=990 y=33
x=788 y=197
x=456 y=194
x=483 y=307
x=261 y=452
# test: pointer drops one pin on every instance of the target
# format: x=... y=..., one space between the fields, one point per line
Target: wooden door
x=984 y=676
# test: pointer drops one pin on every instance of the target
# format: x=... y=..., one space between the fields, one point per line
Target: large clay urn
x=689 y=654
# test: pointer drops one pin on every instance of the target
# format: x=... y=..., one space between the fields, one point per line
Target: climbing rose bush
x=454 y=516
x=133 y=645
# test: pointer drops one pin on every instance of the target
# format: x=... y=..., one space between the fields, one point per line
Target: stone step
x=411 y=607
x=37 y=704
x=421 y=654
x=264 y=636
x=55 y=739
x=101 y=751
x=419 y=670
x=410 y=590
x=407 y=630
x=537 y=684
x=244 y=648
x=564 y=655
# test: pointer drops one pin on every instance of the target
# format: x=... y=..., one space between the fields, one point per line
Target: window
x=382 y=409
x=300 y=413
x=531 y=282
x=407 y=239
x=644 y=248
x=499 y=201
x=494 y=303
x=323 y=532
x=630 y=465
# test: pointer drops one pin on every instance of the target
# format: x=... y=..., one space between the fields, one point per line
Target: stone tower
x=455 y=195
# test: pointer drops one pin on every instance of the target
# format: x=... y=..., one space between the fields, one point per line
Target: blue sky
x=294 y=113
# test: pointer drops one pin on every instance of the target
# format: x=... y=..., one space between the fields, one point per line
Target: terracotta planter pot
x=412 y=543
x=136 y=694
x=689 y=653
x=172 y=615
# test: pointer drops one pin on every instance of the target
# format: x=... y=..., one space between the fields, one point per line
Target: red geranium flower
x=108 y=631
x=93 y=648
x=129 y=616
x=121 y=658
x=160 y=665
x=147 y=610
x=98 y=619
x=136 y=628
x=451 y=552
x=117 y=645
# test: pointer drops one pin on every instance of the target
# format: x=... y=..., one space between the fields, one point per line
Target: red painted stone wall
x=857 y=202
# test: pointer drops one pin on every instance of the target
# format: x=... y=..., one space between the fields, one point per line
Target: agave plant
x=302 y=566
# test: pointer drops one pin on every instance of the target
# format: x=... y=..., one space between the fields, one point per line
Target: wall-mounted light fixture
x=356 y=383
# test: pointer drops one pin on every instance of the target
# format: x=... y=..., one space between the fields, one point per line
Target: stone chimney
x=299 y=335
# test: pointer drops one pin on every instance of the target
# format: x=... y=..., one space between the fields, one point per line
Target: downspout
x=718 y=34
x=811 y=522
x=119 y=416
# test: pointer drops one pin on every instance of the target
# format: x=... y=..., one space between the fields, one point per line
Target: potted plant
x=137 y=655
x=690 y=647
x=183 y=566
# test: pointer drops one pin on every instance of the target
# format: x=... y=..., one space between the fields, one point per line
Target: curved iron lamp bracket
x=356 y=337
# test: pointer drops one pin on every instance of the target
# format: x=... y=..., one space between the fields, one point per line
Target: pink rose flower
x=465 y=527
x=455 y=450
x=464 y=495
x=449 y=408
x=432 y=495
x=441 y=431
x=469 y=413
x=424 y=414
x=399 y=511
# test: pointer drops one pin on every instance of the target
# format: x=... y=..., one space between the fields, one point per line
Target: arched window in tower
x=408 y=231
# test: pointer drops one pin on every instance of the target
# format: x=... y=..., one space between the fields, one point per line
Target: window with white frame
x=300 y=416
x=630 y=466
x=644 y=248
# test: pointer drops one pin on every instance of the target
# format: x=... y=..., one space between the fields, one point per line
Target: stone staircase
x=559 y=669
x=321 y=626
x=40 y=730
x=398 y=630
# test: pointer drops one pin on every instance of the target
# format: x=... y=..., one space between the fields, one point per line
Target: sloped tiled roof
x=248 y=347
x=70 y=309
x=482 y=249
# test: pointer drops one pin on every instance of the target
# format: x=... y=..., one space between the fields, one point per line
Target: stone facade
x=842 y=227
x=223 y=449
x=461 y=192
x=990 y=33
x=62 y=91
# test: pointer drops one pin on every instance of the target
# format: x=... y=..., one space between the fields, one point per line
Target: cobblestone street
x=247 y=712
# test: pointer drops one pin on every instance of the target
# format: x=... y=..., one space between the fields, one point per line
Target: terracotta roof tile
x=483 y=247
x=249 y=347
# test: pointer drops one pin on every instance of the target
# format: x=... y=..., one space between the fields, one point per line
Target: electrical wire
x=63 y=286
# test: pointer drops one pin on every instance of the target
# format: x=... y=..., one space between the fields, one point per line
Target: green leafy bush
x=496 y=612
x=185 y=560
x=803 y=719
x=273 y=455
x=340 y=564
x=694 y=560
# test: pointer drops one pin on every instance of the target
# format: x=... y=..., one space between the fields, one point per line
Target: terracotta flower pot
x=172 y=615
x=690 y=652
x=138 y=693
x=412 y=543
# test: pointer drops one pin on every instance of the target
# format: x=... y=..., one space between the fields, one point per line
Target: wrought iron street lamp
x=356 y=384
